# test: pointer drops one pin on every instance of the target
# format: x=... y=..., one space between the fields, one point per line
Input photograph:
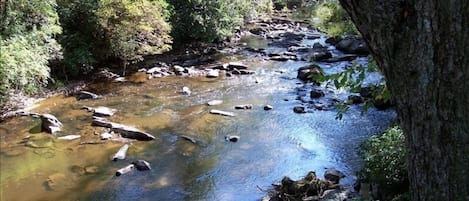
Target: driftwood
x=125 y=170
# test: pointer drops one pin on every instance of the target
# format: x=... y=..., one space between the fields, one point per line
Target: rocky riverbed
x=217 y=123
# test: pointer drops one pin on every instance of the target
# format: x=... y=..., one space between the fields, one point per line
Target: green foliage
x=385 y=159
x=79 y=39
x=98 y=30
x=27 y=44
x=133 y=29
x=209 y=21
x=287 y=4
x=332 y=18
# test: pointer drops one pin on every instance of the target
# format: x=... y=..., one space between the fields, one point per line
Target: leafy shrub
x=209 y=21
x=27 y=44
x=332 y=18
x=385 y=162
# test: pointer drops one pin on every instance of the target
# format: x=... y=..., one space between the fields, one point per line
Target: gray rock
x=316 y=93
x=353 y=45
x=232 y=138
x=268 y=107
x=223 y=113
x=120 y=155
x=237 y=65
x=355 y=99
x=307 y=73
x=83 y=95
x=299 y=109
x=50 y=124
x=142 y=165
x=214 y=102
x=186 y=91
x=243 y=107
x=69 y=137
x=125 y=131
x=333 y=175
x=101 y=111
x=213 y=73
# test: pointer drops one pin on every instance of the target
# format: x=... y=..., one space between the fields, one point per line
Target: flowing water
x=272 y=143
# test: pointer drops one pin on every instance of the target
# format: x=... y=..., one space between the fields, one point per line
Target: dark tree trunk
x=422 y=46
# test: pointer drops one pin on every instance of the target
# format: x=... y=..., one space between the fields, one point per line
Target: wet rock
x=179 y=70
x=316 y=93
x=320 y=55
x=332 y=175
x=142 y=165
x=223 y=113
x=100 y=111
x=353 y=45
x=243 y=107
x=125 y=131
x=213 y=73
x=69 y=137
x=298 y=49
x=186 y=91
x=355 y=99
x=120 y=155
x=259 y=31
x=299 y=109
x=293 y=36
x=50 y=123
x=268 y=107
x=282 y=58
x=235 y=65
x=91 y=169
x=310 y=73
x=106 y=136
x=83 y=95
x=214 y=102
x=345 y=57
x=232 y=138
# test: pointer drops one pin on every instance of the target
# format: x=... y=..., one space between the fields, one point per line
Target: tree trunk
x=422 y=46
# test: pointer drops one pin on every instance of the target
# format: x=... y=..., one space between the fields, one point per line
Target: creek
x=272 y=144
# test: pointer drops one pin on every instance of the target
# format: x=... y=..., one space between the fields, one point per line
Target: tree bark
x=422 y=46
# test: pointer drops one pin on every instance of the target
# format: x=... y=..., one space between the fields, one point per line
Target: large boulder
x=353 y=45
x=50 y=123
x=332 y=175
x=310 y=73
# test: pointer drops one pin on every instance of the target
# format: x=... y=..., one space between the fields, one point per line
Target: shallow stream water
x=272 y=143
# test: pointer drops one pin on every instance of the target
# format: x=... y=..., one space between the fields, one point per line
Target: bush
x=27 y=44
x=385 y=163
x=210 y=21
x=332 y=18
